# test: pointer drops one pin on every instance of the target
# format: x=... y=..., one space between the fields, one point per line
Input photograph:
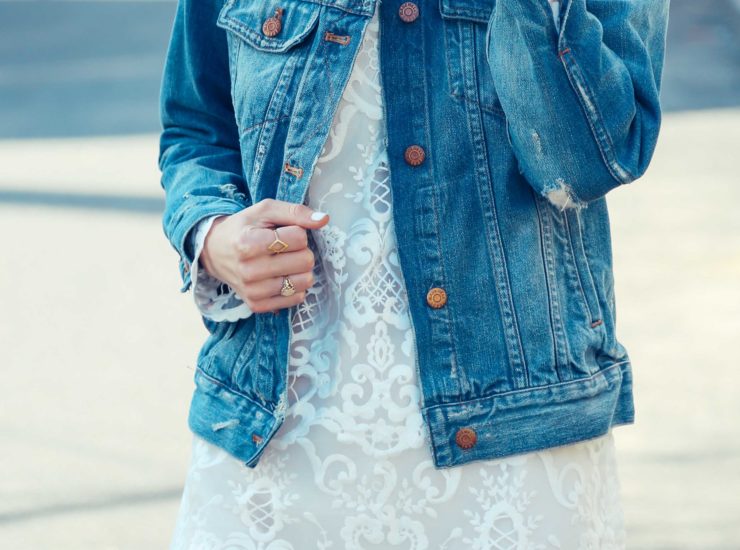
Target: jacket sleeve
x=581 y=96
x=199 y=154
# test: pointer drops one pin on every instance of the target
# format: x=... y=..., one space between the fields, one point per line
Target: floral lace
x=351 y=465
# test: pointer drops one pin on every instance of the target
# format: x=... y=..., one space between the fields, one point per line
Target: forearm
x=581 y=100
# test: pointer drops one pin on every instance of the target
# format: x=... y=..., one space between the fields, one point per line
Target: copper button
x=436 y=297
x=414 y=155
x=272 y=25
x=408 y=12
x=465 y=438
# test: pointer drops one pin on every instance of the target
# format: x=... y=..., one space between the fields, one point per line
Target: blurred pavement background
x=97 y=345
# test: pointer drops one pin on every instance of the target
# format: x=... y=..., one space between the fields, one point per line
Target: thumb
x=287 y=213
x=315 y=218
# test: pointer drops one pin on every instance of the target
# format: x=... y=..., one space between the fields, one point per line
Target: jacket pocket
x=465 y=39
x=264 y=64
x=246 y=18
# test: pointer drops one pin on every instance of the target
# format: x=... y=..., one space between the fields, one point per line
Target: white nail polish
x=316 y=216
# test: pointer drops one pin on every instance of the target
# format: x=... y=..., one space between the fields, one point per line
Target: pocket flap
x=246 y=17
x=475 y=10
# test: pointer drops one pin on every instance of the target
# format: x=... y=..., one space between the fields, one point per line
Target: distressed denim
x=527 y=121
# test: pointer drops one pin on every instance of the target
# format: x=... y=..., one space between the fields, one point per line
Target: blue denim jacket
x=526 y=122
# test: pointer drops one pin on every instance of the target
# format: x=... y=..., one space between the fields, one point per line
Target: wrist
x=209 y=241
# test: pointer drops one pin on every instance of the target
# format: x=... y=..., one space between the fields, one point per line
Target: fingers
x=277 y=212
x=270 y=288
x=260 y=269
x=254 y=241
x=256 y=269
x=275 y=303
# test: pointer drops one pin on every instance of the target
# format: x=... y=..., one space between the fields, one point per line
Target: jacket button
x=436 y=297
x=408 y=12
x=414 y=155
x=465 y=438
x=272 y=25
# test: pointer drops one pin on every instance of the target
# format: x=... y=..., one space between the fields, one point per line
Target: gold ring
x=287 y=289
x=277 y=246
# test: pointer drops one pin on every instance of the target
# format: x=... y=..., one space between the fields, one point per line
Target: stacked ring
x=288 y=289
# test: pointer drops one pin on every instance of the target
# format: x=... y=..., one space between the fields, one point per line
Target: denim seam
x=484 y=106
x=506 y=301
x=564 y=386
x=600 y=314
x=448 y=52
x=251 y=127
x=459 y=13
x=274 y=106
x=572 y=248
x=435 y=209
x=342 y=8
x=233 y=58
x=556 y=327
x=205 y=361
x=493 y=109
x=241 y=361
x=234 y=390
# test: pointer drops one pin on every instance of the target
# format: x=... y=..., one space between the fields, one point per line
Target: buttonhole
x=339 y=39
x=297 y=171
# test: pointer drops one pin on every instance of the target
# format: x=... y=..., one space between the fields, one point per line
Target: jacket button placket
x=414 y=155
x=407 y=99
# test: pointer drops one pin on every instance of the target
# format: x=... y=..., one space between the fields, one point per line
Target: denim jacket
x=506 y=129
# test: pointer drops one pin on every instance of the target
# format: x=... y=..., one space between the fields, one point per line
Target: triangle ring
x=277 y=246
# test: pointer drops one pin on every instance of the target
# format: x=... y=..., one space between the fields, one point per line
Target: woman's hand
x=235 y=251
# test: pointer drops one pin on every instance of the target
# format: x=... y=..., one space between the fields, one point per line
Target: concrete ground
x=97 y=345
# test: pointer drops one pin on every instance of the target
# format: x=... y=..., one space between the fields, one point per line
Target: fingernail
x=316 y=216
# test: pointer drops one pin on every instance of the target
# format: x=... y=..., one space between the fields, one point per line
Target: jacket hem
x=230 y=420
x=507 y=424
x=533 y=419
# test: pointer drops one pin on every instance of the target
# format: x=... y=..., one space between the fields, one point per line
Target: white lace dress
x=350 y=468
